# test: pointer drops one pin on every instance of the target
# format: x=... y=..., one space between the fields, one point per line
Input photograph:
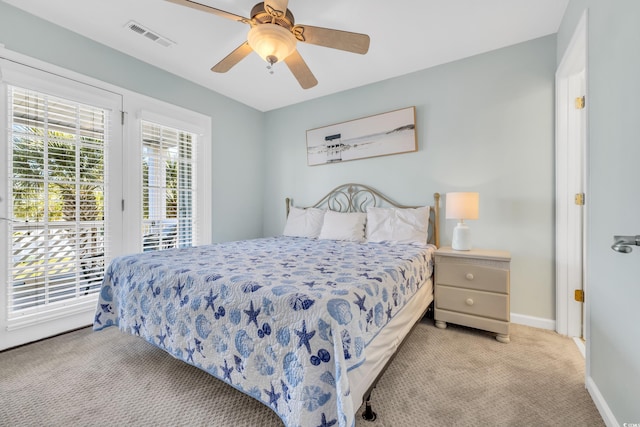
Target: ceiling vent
x=151 y=35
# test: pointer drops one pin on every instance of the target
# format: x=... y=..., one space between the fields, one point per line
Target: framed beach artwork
x=380 y=135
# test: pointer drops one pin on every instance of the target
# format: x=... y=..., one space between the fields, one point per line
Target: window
x=168 y=191
x=168 y=176
x=57 y=180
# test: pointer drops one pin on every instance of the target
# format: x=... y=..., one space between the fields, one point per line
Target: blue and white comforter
x=281 y=319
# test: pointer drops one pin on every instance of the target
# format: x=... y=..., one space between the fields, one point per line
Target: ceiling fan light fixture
x=272 y=42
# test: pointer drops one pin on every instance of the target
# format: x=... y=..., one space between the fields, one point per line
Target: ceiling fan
x=274 y=34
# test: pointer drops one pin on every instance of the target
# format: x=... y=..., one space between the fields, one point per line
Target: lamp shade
x=462 y=205
x=272 y=42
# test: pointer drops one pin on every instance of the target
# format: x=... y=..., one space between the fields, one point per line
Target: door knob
x=623 y=244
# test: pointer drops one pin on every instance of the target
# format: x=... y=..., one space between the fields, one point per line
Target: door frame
x=23 y=70
x=569 y=257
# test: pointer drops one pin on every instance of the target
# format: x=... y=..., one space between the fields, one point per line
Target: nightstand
x=472 y=289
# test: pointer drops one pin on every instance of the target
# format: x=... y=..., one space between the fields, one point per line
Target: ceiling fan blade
x=277 y=8
x=300 y=70
x=233 y=58
x=336 y=39
x=209 y=9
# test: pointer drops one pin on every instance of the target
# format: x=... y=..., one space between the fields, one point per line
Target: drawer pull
x=469 y=301
x=469 y=276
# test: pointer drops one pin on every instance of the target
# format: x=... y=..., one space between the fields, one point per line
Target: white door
x=576 y=199
x=60 y=200
x=571 y=165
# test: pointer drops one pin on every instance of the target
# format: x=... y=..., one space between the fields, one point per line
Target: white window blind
x=57 y=176
x=168 y=187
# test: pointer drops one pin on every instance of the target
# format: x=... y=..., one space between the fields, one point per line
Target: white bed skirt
x=386 y=343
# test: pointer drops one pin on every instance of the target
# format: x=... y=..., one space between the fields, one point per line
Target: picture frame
x=393 y=132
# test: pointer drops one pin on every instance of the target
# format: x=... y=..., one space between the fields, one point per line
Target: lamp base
x=461 y=238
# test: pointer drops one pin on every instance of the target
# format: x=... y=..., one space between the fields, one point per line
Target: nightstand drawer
x=473 y=302
x=473 y=277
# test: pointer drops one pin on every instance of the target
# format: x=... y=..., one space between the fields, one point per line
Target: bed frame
x=357 y=198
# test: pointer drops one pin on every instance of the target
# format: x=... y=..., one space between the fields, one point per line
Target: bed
x=305 y=322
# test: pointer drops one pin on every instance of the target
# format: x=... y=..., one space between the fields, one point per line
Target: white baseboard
x=605 y=412
x=581 y=346
x=535 y=322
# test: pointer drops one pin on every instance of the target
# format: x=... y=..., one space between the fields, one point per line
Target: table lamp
x=462 y=206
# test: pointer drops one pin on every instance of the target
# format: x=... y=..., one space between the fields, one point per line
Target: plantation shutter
x=57 y=175
x=168 y=175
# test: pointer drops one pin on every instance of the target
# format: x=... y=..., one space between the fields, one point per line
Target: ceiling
x=418 y=35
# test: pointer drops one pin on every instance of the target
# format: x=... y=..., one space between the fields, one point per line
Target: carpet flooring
x=452 y=377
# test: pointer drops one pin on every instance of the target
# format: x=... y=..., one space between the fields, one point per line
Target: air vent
x=151 y=35
x=137 y=29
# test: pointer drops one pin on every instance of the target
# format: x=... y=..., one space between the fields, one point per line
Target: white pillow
x=304 y=222
x=398 y=225
x=343 y=226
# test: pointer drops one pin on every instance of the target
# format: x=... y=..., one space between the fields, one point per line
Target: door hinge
x=579 y=199
x=579 y=295
x=122 y=118
x=122 y=205
x=580 y=103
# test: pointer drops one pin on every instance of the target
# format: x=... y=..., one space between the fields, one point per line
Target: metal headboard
x=358 y=197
